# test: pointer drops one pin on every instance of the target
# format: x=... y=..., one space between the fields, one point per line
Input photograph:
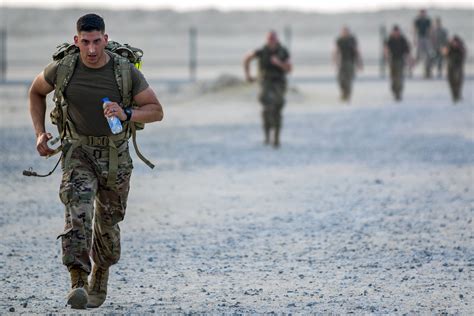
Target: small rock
x=25 y=304
x=461 y=296
x=12 y=309
x=301 y=276
x=291 y=305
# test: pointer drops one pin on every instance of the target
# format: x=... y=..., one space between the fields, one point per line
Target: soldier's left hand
x=114 y=109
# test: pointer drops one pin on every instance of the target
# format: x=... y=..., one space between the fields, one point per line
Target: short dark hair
x=90 y=22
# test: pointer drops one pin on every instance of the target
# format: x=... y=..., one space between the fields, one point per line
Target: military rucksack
x=123 y=54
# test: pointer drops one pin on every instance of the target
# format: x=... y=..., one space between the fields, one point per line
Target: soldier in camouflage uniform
x=397 y=52
x=93 y=191
x=347 y=57
x=439 y=39
x=422 y=41
x=274 y=64
x=455 y=53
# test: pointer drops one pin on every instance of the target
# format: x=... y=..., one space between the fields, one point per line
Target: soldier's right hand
x=42 y=144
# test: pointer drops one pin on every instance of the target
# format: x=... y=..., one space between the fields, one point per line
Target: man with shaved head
x=274 y=64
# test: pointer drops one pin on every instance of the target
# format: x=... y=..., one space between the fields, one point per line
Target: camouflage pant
x=396 y=76
x=426 y=53
x=272 y=97
x=345 y=77
x=455 y=79
x=88 y=233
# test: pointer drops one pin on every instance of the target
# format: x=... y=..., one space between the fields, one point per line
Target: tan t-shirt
x=85 y=91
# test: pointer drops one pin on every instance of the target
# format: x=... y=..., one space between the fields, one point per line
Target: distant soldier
x=439 y=39
x=346 y=56
x=397 y=52
x=455 y=52
x=424 y=50
x=274 y=64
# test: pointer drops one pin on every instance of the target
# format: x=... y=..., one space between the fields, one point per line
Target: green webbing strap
x=139 y=154
x=113 y=156
x=70 y=150
x=126 y=82
x=113 y=164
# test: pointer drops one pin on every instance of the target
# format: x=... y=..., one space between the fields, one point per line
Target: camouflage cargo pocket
x=66 y=187
x=66 y=243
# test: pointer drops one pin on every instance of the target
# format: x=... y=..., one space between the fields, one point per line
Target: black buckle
x=97 y=153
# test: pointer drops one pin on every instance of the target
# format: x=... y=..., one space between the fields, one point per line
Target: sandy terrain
x=366 y=208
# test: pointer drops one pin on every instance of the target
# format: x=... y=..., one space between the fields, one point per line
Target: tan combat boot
x=98 y=286
x=77 y=297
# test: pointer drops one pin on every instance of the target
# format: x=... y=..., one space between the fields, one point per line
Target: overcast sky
x=316 y=5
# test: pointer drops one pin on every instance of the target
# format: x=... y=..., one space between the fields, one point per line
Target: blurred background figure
x=397 y=52
x=439 y=39
x=273 y=64
x=422 y=41
x=455 y=53
x=346 y=56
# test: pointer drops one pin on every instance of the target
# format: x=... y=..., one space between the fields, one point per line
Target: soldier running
x=274 y=64
x=397 y=52
x=346 y=56
x=96 y=164
x=455 y=52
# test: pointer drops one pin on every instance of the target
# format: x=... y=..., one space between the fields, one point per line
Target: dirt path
x=365 y=208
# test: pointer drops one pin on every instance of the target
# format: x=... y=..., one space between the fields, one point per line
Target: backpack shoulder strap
x=123 y=75
x=64 y=73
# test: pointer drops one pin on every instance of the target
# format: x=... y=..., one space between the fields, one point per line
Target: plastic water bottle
x=114 y=122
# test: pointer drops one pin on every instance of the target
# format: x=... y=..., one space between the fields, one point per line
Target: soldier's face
x=272 y=40
x=345 y=32
x=91 y=46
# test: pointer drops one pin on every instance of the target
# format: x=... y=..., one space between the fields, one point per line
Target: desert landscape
x=366 y=208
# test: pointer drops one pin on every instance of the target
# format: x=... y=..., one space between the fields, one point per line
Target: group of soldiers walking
x=432 y=43
x=432 y=47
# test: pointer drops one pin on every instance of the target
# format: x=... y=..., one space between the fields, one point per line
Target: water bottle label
x=114 y=123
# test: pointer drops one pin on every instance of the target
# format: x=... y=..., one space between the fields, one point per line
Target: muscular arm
x=285 y=65
x=37 y=95
x=386 y=52
x=149 y=108
x=248 y=58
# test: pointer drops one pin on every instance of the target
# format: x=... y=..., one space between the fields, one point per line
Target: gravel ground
x=366 y=208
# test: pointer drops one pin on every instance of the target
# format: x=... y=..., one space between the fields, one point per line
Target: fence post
x=192 y=53
x=3 y=55
x=287 y=36
x=383 y=63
